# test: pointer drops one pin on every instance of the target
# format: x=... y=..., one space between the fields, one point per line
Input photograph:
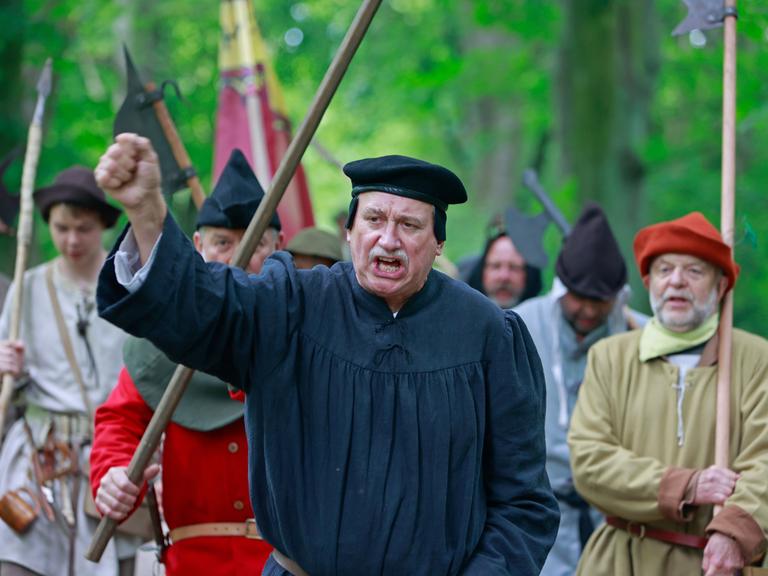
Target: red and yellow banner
x=251 y=111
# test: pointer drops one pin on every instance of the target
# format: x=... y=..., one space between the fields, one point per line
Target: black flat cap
x=409 y=177
x=77 y=186
x=590 y=263
x=235 y=197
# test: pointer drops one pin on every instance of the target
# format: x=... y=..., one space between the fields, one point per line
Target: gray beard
x=696 y=318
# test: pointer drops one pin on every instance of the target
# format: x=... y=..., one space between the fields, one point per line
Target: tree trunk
x=608 y=64
x=492 y=125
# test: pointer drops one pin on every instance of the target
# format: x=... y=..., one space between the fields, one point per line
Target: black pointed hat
x=235 y=198
x=590 y=263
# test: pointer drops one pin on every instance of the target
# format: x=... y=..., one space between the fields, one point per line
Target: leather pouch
x=16 y=511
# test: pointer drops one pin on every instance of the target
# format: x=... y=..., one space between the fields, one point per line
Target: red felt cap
x=692 y=234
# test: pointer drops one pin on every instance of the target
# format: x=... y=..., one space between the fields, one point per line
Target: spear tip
x=702 y=15
x=44 y=82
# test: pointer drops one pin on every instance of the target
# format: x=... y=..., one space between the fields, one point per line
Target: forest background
x=596 y=94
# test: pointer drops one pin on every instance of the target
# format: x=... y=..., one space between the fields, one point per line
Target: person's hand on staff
x=116 y=496
x=11 y=357
x=715 y=485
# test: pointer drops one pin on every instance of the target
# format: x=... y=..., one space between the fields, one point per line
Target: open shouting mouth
x=388 y=264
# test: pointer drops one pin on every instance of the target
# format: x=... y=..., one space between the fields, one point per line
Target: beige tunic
x=627 y=462
x=52 y=388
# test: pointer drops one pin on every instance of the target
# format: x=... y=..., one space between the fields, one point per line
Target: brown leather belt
x=247 y=529
x=643 y=531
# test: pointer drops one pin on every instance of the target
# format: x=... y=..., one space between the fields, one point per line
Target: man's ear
x=647 y=281
x=197 y=239
x=722 y=287
x=439 y=249
x=280 y=241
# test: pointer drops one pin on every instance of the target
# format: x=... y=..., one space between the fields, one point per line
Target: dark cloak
x=377 y=444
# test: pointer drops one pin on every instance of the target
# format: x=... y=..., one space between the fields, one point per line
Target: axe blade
x=137 y=115
x=702 y=15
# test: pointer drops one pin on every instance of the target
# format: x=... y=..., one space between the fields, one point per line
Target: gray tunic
x=51 y=387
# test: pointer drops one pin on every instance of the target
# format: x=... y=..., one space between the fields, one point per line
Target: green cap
x=316 y=242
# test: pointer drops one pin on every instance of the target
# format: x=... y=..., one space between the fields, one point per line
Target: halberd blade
x=702 y=15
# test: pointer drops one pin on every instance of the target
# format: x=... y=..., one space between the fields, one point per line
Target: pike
x=531 y=181
x=24 y=234
x=705 y=15
x=144 y=112
x=178 y=384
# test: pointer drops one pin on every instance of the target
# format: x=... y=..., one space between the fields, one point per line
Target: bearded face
x=684 y=291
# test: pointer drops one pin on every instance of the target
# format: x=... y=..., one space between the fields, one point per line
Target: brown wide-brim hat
x=692 y=234
x=76 y=185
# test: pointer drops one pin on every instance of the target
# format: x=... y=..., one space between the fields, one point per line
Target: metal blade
x=702 y=15
x=531 y=181
x=527 y=234
x=138 y=116
x=44 y=82
x=43 y=90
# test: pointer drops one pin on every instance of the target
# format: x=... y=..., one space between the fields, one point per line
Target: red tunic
x=205 y=479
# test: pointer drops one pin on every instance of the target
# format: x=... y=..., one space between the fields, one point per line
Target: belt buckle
x=636 y=529
x=251 y=530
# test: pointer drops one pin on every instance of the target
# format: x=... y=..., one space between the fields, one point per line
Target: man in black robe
x=394 y=416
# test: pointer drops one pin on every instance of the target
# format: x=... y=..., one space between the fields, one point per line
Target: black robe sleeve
x=523 y=516
x=206 y=320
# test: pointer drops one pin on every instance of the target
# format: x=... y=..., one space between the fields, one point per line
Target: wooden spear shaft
x=727 y=210
x=178 y=384
x=26 y=217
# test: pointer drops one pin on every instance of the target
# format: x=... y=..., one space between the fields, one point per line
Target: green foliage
x=426 y=76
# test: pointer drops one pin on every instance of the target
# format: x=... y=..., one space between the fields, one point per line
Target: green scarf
x=658 y=341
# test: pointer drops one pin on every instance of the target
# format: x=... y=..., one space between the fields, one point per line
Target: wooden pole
x=253 y=233
x=26 y=217
x=177 y=146
x=727 y=211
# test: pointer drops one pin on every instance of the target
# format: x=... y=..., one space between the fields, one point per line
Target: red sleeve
x=119 y=425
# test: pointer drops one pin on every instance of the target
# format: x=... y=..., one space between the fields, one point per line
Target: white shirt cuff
x=128 y=270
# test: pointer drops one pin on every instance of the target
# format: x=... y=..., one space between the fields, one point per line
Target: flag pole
x=175 y=389
x=241 y=18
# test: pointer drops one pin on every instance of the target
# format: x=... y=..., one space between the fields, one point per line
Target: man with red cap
x=642 y=434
